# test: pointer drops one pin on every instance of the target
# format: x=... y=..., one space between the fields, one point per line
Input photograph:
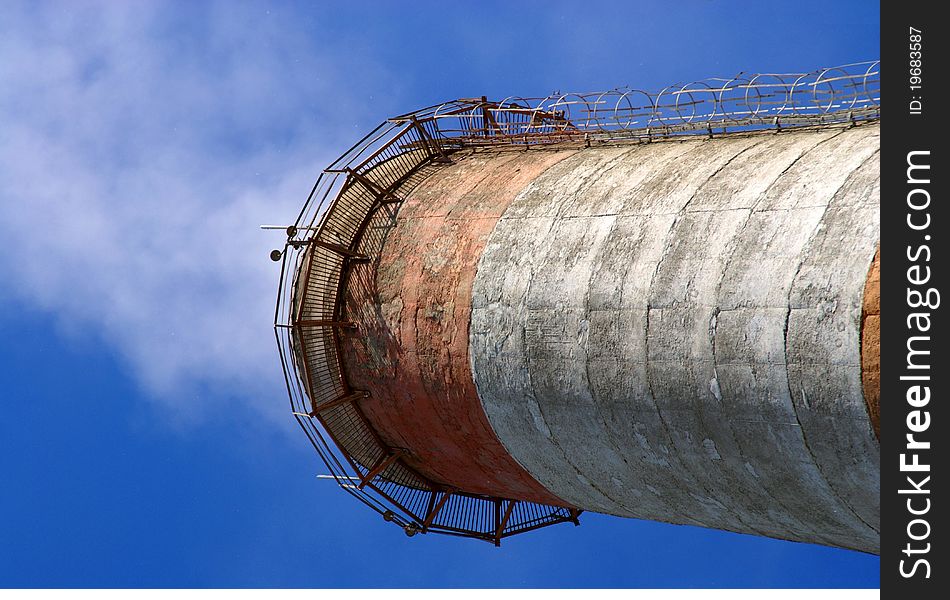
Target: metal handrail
x=328 y=239
x=846 y=93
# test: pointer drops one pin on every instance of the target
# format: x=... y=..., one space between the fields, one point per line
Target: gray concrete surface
x=671 y=331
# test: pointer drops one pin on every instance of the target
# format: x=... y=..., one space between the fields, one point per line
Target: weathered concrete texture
x=673 y=332
x=413 y=307
x=871 y=343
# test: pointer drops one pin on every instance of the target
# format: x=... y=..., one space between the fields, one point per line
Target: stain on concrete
x=413 y=308
x=871 y=343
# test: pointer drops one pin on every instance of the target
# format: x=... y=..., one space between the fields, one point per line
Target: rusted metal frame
x=361 y=229
x=353 y=397
x=299 y=324
x=306 y=391
x=538 y=117
x=553 y=521
x=429 y=506
x=392 y=188
x=357 y=146
x=366 y=499
x=410 y=498
x=339 y=305
x=575 y=513
x=343 y=451
x=372 y=148
x=337 y=470
x=434 y=508
x=464 y=105
x=336 y=309
x=397 y=504
x=325 y=323
x=503 y=520
x=290 y=290
x=423 y=145
x=496 y=128
x=356 y=468
x=467 y=535
x=306 y=363
x=347 y=167
x=280 y=289
x=299 y=391
x=385 y=195
x=329 y=200
x=392 y=166
x=433 y=147
x=284 y=369
x=489 y=118
x=335 y=335
x=341 y=250
x=503 y=139
x=310 y=223
x=306 y=205
x=422 y=111
x=379 y=150
x=439 y=528
x=458 y=531
x=496 y=504
x=386 y=449
x=335 y=322
x=379 y=467
x=547 y=519
x=339 y=301
x=477 y=102
x=522 y=110
x=381 y=195
x=294 y=314
x=322 y=448
x=423 y=137
x=488 y=124
x=727 y=125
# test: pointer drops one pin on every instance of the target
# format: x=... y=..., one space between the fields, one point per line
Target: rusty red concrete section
x=871 y=343
x=412 y=352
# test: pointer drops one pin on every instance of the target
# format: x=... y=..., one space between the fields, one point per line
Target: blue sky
x=146 y=438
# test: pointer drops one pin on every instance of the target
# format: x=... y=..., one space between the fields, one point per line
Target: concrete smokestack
x=683 y=331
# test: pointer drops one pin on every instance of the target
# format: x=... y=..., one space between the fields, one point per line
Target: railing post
x=503 y=521
x=380 y=466
x=432 y=146
x=434 y=508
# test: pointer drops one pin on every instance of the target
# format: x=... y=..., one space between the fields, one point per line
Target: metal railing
x=342 y=227
x=709 y=106
x=344 y=222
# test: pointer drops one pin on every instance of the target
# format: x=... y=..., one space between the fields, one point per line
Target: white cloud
x=139 y=152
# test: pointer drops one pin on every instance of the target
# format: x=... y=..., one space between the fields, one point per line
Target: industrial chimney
x=496 y=315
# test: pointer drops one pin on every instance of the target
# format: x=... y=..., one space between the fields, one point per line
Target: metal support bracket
x=353 y=397
x=434 y=508
x=326 y=323
x=433 y=148
x=503 y=520
x=379 y=467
